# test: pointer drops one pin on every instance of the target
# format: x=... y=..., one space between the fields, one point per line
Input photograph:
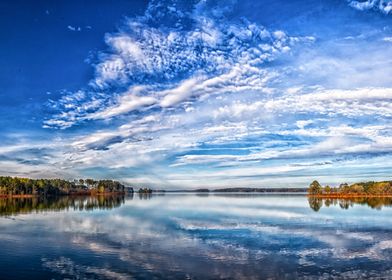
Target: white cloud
x=303 y=123
x=387 y=39
x=182 y=92
x=125 y=103
x=384 y=6
x=356 y=102
x=215 y=56
x=74 y=28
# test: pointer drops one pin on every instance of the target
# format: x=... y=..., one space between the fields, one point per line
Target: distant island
x=25 y=187
x=362 y=189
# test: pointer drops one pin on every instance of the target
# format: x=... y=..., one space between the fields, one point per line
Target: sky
x=197 y=94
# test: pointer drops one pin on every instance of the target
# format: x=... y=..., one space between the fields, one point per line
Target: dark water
x=189 y=236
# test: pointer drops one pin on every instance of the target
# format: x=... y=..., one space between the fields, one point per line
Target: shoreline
x=332 y=196
x=59 y=195
x=349 y=195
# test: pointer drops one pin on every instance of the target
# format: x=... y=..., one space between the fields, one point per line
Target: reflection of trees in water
x=315 y=203
x=145 y=195
x=149 y=195
x=14 y=206
x=345 y=203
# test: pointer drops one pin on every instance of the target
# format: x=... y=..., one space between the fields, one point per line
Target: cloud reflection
x=177 y=234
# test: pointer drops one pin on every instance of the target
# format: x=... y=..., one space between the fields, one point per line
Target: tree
x=357 y=189
x=90 y=183
x=315 y=188
x=344 y=188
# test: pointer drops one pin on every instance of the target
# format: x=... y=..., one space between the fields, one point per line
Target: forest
x=15 y=186
x=371 y=188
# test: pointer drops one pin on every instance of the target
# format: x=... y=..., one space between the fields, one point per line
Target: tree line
x=357 y=189
x=24 y=186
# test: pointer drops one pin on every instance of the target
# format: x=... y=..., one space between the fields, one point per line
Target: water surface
x=190 y=236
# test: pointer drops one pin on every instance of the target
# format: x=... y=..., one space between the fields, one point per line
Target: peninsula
x=362 y=189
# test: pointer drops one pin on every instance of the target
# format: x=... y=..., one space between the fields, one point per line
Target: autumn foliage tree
x=383 y=188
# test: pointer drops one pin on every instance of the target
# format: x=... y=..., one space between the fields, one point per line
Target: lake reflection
x=345 y=203
x=13 y=206
x=189 y=236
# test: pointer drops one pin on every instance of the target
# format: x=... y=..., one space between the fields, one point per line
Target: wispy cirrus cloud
x=318 y=101
x=202 y=53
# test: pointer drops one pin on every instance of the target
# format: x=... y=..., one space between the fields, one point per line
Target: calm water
x=189 y=236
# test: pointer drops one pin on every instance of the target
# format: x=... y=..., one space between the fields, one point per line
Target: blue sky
x=188 y=94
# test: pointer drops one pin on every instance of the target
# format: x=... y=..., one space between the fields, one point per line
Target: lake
x=195 y=236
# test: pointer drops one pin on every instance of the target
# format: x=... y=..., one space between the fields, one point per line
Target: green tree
x=315 y=188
